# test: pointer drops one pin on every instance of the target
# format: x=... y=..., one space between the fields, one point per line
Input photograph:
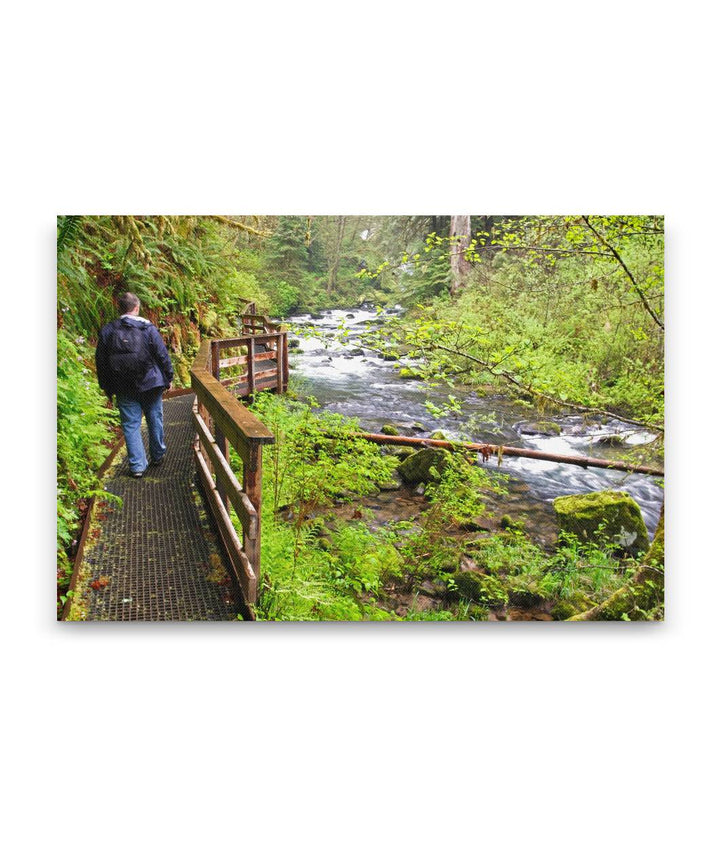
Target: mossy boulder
x=511 y=525
x=390 y=430
x=611 y=440
x=613 y=512
x=438 y=435
x=401 y=452
x=480 y=588
x=563 y=610
x=422 y=466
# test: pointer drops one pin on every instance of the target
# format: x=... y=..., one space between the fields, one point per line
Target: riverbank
x=333 y=365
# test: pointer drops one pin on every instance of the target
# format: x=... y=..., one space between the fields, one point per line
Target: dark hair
x=127 y=302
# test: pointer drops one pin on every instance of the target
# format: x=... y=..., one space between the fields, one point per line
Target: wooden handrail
x=222 y=421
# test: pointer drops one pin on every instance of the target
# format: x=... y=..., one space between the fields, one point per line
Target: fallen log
x=487 y=449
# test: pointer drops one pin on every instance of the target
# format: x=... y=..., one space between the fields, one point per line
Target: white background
x=559 y=739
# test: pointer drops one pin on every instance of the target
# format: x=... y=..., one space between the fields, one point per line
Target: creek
x=348 y=378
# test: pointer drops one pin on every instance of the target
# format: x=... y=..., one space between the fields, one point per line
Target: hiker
x=133 y=364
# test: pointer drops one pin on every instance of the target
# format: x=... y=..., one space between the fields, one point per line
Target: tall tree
x=459 y=242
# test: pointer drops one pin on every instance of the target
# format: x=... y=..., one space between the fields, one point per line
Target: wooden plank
x=201 y=413
x=240 y=341
x=243 y=359
x=223 y=471
x=243 y=378
x=202 y=360
x=238 y=424
x=242 y=390
x=233 y=361
x=242 y=567
x=268 y=373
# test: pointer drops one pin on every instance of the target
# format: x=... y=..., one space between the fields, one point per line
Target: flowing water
x=369 y=388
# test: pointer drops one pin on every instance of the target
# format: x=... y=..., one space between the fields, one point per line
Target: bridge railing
x=222 y=421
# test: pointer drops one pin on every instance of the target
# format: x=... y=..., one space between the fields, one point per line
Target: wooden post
x=219 y=436
x=280 y=362
x=252 y=486
x=286 y=365
x=215 y=359
x=251 y=366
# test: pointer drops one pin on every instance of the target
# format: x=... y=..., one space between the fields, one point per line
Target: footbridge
x=183 y=542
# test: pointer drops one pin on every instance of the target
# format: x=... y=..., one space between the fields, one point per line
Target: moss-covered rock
x=390 y=430
x=421 y=466
x=401 y=452
x=562 y=611
x=438 y=435
x=643 y=597
x=480 y=588
x=511 y=525
x=410 y=374
x=609 y=514
x=612 y=441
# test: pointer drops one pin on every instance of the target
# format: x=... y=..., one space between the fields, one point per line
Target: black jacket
x=151 y=353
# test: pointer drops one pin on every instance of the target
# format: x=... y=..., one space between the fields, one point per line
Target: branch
x=534 y=392
x=637 y=288
x=243 y=227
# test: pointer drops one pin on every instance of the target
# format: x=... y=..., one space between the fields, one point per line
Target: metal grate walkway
x=155 y=558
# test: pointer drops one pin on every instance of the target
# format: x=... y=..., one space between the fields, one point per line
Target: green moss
x=390 y=430
x=562 y=611
x=438 y=435
x=603 y=516
x=423 y=466
x=410 y=374
x=507 y=522
x=480 y=588
x=544 y=426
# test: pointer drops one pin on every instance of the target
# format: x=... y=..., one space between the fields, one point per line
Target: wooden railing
x=222 y=421
x=260 y=355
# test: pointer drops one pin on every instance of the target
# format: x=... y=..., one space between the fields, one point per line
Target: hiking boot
x=158 y=462
x=138 y=475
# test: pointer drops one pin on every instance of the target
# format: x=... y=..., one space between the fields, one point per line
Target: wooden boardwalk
x=156 y=557
x=169 y=549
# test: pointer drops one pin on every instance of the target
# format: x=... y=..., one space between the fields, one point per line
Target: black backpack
x=128 y=352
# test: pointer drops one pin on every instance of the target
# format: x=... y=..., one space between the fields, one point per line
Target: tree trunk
x=459 y=265
x=335 y=262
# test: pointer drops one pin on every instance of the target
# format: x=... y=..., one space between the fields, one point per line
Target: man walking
x=133 y=364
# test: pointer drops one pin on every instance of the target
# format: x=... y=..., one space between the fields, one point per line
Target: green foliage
x=563 y=310
x=282 y=297
x=310 y=573
x=83 y=433
x=178 y=266
x=363 y=560
x=316 y=457
x=573 y=572
x=456 y=496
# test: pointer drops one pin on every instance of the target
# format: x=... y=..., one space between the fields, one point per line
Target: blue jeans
x=131 y=411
